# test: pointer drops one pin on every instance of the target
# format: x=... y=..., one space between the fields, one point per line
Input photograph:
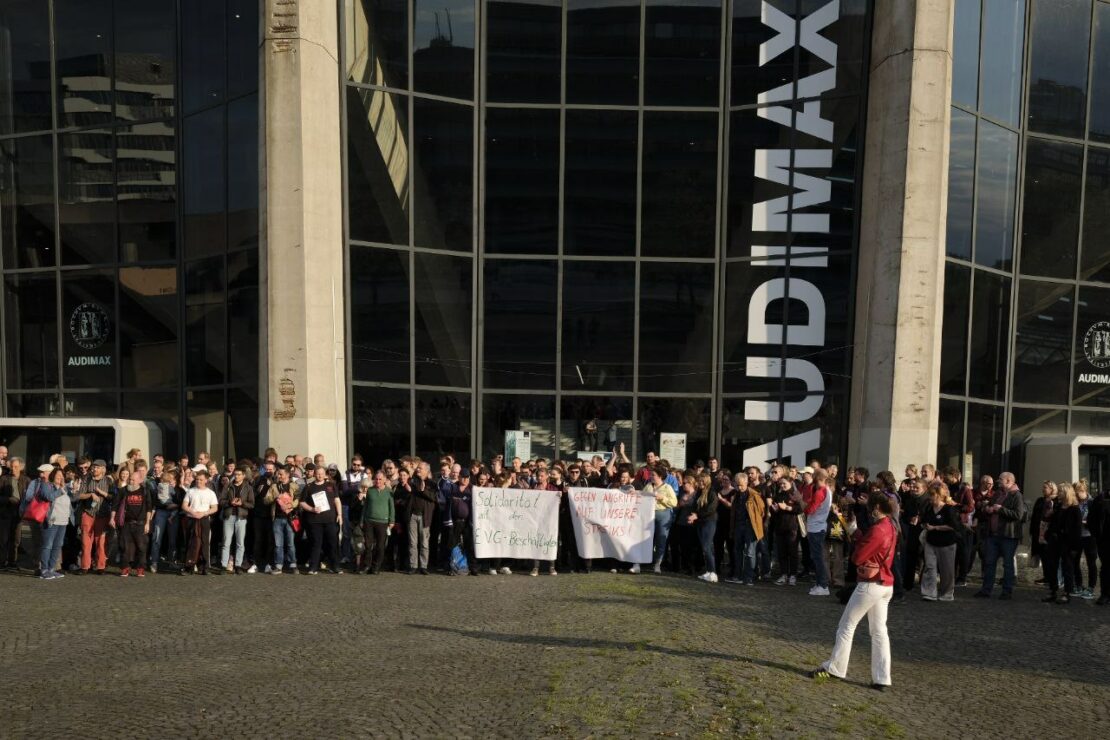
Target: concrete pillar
x=304 y=366
x=900 y=288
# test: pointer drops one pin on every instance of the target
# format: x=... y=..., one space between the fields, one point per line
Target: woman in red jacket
x=873 y=555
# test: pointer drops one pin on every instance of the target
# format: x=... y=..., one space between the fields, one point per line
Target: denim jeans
x=744 y=546
x=763 y=555
x=999 y=547
x=234 y=525
x=53 y=535
x=163 y=524
x=663 y=521
x=817 y=557
x=706 y=530
x=285 y=544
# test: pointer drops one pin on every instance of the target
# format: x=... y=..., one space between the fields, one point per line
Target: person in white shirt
x=199 y=505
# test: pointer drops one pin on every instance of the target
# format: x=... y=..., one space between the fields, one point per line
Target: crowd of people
x=781 y=525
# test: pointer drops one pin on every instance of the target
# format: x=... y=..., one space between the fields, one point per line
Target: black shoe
x=879 y=687
x=819 y=674
x=424 y=572
x=1005 y=596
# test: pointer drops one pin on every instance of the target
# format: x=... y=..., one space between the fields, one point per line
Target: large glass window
x=599 y=210
x=83 y=42
x=146 y=172
x=86 y=197
x=534 y=414
x=519 y=317
x=379 y=328
x=31 y=331
x=676 y=327
x=961 y=185
x=148 y=327
x=377 y=42
x=523 y=42
x=89 y=357
x=1003 y=36
x=442 y=319
x=996 y=189
x=679 y=185
x=1092 y=347
x=381 y=423
x=27 y=202
x=25 y=76
x=682 y=47
x=953 y=340
x=1100 y=75
x=378 y=152
x=1042 y=344
x=205 y=172
x=522 y=180
x=205 y=322
x=443 y=47
x=965 y=53
x=990 y=322
x=442 y=425
x=1050 y=221
x=603 y=51
x=1096 y=216
x=1059 y=40
x=598 y=320
x=443 y=180
x=146 y=58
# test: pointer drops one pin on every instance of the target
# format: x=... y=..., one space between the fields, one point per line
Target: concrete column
x=304 y=365
x=900 y=289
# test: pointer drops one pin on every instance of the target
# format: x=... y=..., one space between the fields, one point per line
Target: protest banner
x=513 y=523
x=611 y=523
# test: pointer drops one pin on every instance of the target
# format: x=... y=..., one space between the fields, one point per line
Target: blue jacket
x=49 y=492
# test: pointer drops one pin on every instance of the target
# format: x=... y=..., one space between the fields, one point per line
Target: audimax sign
x=90 y=327
x=1096 y=350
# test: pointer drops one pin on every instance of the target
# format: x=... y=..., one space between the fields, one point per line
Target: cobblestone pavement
x=565 y=656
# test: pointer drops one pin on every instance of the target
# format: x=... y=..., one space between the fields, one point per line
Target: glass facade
x=1027 y=289
x=602 y=220
x=129 y=215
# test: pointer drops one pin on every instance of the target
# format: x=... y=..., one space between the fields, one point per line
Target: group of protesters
x=304 y=515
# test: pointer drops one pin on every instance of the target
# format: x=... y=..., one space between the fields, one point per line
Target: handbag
x=36 y=510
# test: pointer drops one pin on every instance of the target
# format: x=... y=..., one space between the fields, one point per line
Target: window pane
x=950 y=434
x=27 y=202
x=160 y=408
x=523 y=40
x=752 y=73
x=205 y=214
x=1100 y=71
x=682 y=47
x=378 y=166
x=1058 y=67
x=89 y=357
x=381 y=424
x=519 y=318
x=243 y=329
x=146 y=59
x=83 y=42
x=676 y=327
x=242 y=423
x=679 y=209
x=749 y=137
x=953 y=349
x=1042 y=345
x=687 y=415
x=36 y=404
x=1092 y=348
x=87 y=197
x=1024 y=422
x=95 y=405
x=502 y=413
x=997 y=181
x=377 y=42
x=443 y=47
x=380 y=315
x=204 y=431
x=600 y=183
x=148 y=326
x=1096 y=217
x=442 y=425
x=990 y=332
x=31 y=331
x=599 y=306
x=203 y=53
x=984 y=440
x=965 y=53
x=205 y=322
x=522 y=180
x=25 y=77
x=444 y=174
x=603 y=51
x=593 y=423
x=961 y=185
x=242 y=171
x=1003 y=40
x=1089 y=422
x=443 y=320
x=1050 y=222
x=829 y=422
x=147 y=191
x=242 y=48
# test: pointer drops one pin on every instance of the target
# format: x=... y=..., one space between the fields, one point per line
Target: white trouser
x=868 y=600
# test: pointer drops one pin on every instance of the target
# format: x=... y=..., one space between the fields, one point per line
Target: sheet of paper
x=320 y=501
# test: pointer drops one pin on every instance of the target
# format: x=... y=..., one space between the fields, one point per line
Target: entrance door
x=1094 y=465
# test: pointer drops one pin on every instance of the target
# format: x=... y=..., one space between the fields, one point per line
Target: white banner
x=511 y=523
x=610 y=523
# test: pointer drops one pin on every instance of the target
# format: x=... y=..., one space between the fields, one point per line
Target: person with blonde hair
x=1063 y=532
x=940 y=520
x=704 y=518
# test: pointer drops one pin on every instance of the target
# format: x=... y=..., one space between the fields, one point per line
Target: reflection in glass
x=25 y=76
x=1096 y=217
x=86 y=197
x=599 y=308
x=33 y=404
x=1092 y=346
x=148 y=327
x=829 y=419
x=83 y=43
x=752 y=72
x=1100 y=76
x=523 y=42
x=203 y=53
x=603 y=51
x=1003 y=40
x=204 y=430
x=379 y=330
x=442 y=425
x=997 y=184
x=31 y=331
x=159 y=408
x=689 y=415
x=984 y=439
x=961 y=184
x=377 y=42
x=27 y=202
x=242 y=174
x=243 y=324
x=443 y=319
x=519 y=321
x=1042 y=343
x=950 y=434
x=381 y=423
x=593 y=423
x=94 y=405
x=205 y=322
x=522 y=180
x=242 y=422
x=1025 y=422
x=682 y=46
x=146 y=170
x=599 y=200
x=205 y=183
x=1089 y=422
x=1058 y=67
x=89 y=330
x=965 y=53
x=242 y=47
x=741 y=281
x=443 y=174
x=676 y=327
x=146 y=59
x=378 y=154
x=679 y=201
x=990 y=324
x=953 y=338
x=503 y=412
x=1050 y=221
x=443 y=47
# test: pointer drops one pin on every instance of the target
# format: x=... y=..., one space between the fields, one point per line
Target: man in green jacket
x=378 y=515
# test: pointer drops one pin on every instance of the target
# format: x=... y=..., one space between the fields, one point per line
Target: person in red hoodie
x=873 y=556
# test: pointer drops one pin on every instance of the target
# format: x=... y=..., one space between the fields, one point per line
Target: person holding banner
x=543 y=483
x=704 y=519
x=665 y=502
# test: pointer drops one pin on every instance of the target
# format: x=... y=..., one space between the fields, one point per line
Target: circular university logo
x=89 y=325
x=1096 y=344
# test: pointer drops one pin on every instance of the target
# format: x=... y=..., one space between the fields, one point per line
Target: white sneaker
x=705 y=576
x=493 y=571
x=712 y=577
x=506 y=571
x=635 y=569
x=793 y=581
x=552 y=572
x=818 y=591
x=269 y=568
x=252 y=569
x=657 y=568
x=781 y=581
x=535 y=572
